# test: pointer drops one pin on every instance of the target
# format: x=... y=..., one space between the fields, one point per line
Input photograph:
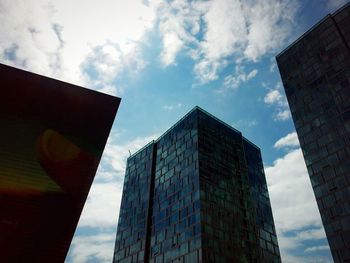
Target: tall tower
x=315 y=71
x=196 y=194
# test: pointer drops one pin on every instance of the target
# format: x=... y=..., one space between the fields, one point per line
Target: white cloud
x=269 y=23
x=108 y=29
x=238 y=77
x=226 y=30
x=245 y=30
x=294 y=206
x=274 y=97
x=282 y=115
x=99 y=247
x=179 y=22
x=26 y=36
x=104 y=63
x=245 y=123
x=252 y=74
x=288 y=176
x=315 y=259
x=172 y=107
x=317 y=233
x=290 y=140
x=273 y=64
x=52 y=38
x=58 y=38
x=101 y=208
x=295 y=238
x=230 y=29
x=172 y=45
x=317 y=248
x=207 y=70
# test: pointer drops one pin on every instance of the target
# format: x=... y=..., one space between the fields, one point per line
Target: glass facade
x=205 y=204
x=132 y=225
x=175 y=228
x=315 y=71
x=268 y=246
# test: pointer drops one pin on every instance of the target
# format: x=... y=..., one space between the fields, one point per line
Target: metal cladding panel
x=52 y=135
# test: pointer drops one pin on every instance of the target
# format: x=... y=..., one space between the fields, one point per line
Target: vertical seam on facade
x=339 y=32
x=346 y=137
x=150 y=205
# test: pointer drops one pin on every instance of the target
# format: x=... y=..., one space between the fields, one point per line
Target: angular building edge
x=315 y=71
x=146 y=163
x=311 y=29
x=184 y=117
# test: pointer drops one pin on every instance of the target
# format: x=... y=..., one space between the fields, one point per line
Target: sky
x=163 y=58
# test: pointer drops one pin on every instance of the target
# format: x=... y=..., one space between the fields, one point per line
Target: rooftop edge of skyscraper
x=184 y=117
x=171 y=186
x=312 y=28
x=39 y=76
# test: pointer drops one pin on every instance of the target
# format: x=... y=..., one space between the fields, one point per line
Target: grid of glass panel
x=228 y=211
x=227 y=232
x=132 y=225
x=316 y=76
x=176 y=209
x=264 y=223
x=199 y=207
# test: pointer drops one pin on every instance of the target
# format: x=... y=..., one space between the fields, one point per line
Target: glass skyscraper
x=315 y=71
x=196 y=194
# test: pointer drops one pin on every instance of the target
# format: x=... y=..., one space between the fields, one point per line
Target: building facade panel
x=264 y=223
x=315 y=72
x=228 y=234
x=201 y=207
x=130 y=245
x=175 y=230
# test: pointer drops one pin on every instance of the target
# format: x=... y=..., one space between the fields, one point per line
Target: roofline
x=166 y=132
x=217 y=119
x=186 y=115
x=176 y=123
x=207 y=113
x=227 y=125
x=252 y=144
x=141 y=149
x=303 y=35
x=341 y=8
x=312 y=28
x=37 y=75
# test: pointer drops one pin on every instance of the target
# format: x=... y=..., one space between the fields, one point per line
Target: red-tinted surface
x=52 y=135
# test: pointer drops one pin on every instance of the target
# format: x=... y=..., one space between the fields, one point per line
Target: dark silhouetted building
x=196 y=194
x=52 y=135
x=315 y=72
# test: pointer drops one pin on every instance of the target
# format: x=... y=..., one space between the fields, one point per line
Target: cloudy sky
x=163 y=58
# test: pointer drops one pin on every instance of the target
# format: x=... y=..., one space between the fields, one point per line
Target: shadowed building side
x=315 y=71
x=52 y=135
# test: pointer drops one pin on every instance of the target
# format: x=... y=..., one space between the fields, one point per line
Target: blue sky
x=162 y=59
